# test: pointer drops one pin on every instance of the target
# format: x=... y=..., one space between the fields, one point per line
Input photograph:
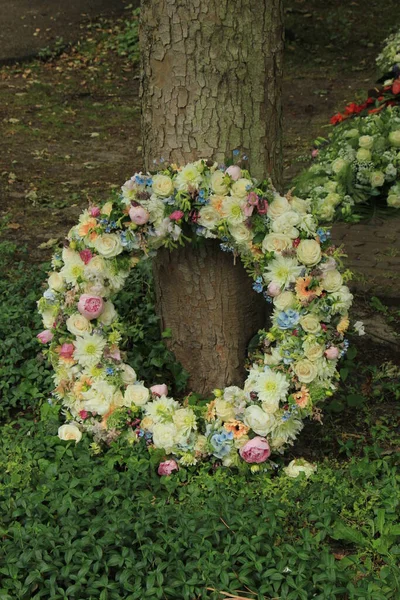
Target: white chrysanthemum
x=232 y=209
x=271 y=387
x=283 y=271
x=73 y=266
x=89 y=349
x=185 y=421
x=164 y=436
x=116 y=278
x=285 y=433
x=162 y=409
x=189 y=176
x=341 y=300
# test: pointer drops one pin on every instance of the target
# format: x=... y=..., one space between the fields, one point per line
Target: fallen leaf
x=13 y=226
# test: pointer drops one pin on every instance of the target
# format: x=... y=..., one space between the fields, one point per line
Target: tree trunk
x=211 y=79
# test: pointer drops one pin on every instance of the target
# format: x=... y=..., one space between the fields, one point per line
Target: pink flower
x=90 y=307
x=176 y=215
x=332 y=353
x=67 y=350
x=248 y=210
x=167 y=467
x=83 y=414
x=273 y=289
x=45 y=336
x=262 y=207
x=234 y=172
x=315 y=153
x=139 y=215
x=86 y=255
x=112 y=352
x=253 y=199
x=255 y=451
x=95 y=211
x=159 y=390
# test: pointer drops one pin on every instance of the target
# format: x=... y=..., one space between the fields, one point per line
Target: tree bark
x=211 y=83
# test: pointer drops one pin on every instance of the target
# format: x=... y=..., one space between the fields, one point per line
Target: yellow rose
x=305 y=370
x=162 y=185
x=310 y=324
x=309 y=252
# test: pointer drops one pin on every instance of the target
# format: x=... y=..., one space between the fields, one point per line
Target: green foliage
x=77 y=526
x=125 y=39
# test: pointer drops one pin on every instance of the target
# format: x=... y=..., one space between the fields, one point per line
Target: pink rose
x=139 y=215
x=86 y=255
x=167 y=467
x=255 y=451
x=274 y=289
x=45 y=336
x=332 y=353
x=67 y=350
x=176 y=215
x=159 y=390
x=90 y=307
x=234 y=172
x=95 y=211
x=83 y=414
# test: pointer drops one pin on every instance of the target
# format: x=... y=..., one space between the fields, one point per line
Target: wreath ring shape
x=291 y=262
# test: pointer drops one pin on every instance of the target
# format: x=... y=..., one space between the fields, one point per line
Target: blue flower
x=139 y=180
x=258 y=285
x=109 y=371
x=288 y=319
x=235 y=152
x=221 y=443
x=49 y=295
x=323 y=235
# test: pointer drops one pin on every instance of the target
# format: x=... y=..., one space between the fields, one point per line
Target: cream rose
x=278 y=207
x=394 y=138
x=128 y=374
x=313 y=351
x=240 y=233
x=285 y=300
x=394 y=200
x=224 y=410
x=208 y=217
x=363 y=155
x=338 y=165
x=108 y=315
x=331 y=186
x=332 y=281
x=164 y=435
x=56 y=282
x=333 y=199
x=106 y=209
x=377 y=179
x=276 y=242
x=299 y=465
x=77 y=324
x=309 y=252
x=258 y=420
x=136 y=394
x=326 y=211
x=241 y=187
x=286 y=224
x=108 y=245
x=218 y=184
x=305 y=370
x=162 y=185
x=310 y=324
x=69 y=432
x=366 y=141
x=299 y=205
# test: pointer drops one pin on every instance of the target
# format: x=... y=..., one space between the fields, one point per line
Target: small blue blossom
x=258 y=285
x=288 y=319
x=226 y=248
x=49 y=295
x=103 y=221
x=235 y=152
x=139 y=180
x=149 y=182
x=323 y=235
x=110 y=371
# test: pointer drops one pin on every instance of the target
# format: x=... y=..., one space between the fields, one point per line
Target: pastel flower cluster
x=292 y=264
x=360 y=160
x=390 y=55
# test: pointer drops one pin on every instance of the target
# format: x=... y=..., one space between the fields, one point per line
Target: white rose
x=331 y=186
x=208 y=217
x=77 y=324
x=48 y=318
x=333 y=198
x=162 y=185
x=285 y=300
x=108 y=245
x=394 y=200
x=241 y=188
x=310 y=324
x=352 y=133
x=338 y=165
x=394 y=138
x=276 y=242
x=363 y=155
x=278 y=207
x=325 y=211
x=69 y=432
x=108 y=315
x=297 y=466
x=136 y=394
x=240 y=233
x=258 y=420
x=164 y=435
x=224 y=409
x=128 y=374
x=332 y=281
x=313 y=351
x=377 y=179
x=286 y=224
x=309 y=252
x=56 y=282
x=218 y=184
x=299 y=205
x=366 y=141
x=305 y=370
x=96 y=267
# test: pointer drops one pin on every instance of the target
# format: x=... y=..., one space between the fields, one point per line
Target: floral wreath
x=292 y=264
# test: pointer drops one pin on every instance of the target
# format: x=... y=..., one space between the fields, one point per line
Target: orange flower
x=343 y=325
x=107 y=415
x=302 y=397
x=216 y=202
x=93 y=236
x=302 y=289
x=86 y=227
x=210 y=415
x=82 y=386
x=237 y=427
